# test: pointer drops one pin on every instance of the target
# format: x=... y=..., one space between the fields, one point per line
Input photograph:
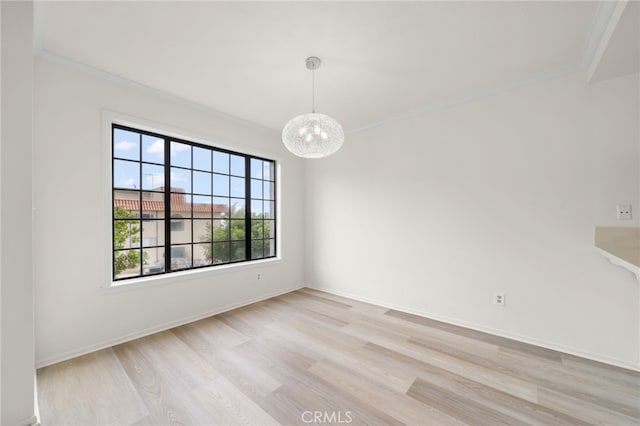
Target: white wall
x=15 y=250
x=74 y=313
x=435 y=212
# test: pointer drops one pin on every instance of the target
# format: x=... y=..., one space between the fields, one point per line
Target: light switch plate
x=623 y=211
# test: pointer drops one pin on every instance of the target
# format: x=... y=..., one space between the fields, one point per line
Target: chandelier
x=313 y=135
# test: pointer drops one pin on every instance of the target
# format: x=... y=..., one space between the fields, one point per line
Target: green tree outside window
x=125 y=231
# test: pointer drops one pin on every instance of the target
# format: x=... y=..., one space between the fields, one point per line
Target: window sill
x=188 y=275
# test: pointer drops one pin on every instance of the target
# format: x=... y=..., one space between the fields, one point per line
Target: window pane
x=256 y=188
x=153 y=261
x=180 y=231
x=237 y=207
x=237 y=187
x=256 y=168
x=124 y=194
x=126 y=233
x=202 y=159
x=153 y=201
x=178 y=252
x=202 y=254
x=201 y=206
x=202 y=183
x=152 y=233
x=220 y=207
x=177 y=222
x=180 y=205
x=269 y=229
x=126 y=263
x=237 y=251
x=256 y=208
x=220 y=230
x=180 y=257
x=221 y=252
x=257 y=249
x=221 y=162
x=180 y=155
x=126 y=144
x=268 y=209
x=180 y=180
x=202 y=230
x=237 y=165
x=237 y=230
x=126 y=174
x=152 y=177
x=125 y=206
x=256 y=228
x=272 y=247
x=268 y=171
x=266 y=190
x=220 y=185
x=269 y=191
x=152 y=149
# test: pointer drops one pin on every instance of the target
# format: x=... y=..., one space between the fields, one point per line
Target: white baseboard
x=497 y=332
x=155 y=329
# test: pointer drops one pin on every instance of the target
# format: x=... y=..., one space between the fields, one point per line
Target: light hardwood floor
x=310 y=357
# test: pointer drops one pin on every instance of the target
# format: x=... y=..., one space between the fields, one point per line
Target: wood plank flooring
x=310 y=357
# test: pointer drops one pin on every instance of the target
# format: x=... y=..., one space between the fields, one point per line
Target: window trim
x=110 y=118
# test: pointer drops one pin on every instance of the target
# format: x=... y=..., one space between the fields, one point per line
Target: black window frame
x=167 y=192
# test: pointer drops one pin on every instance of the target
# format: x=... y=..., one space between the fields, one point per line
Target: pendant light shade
x=313 y=135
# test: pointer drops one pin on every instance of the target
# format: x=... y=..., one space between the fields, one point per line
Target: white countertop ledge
x=621 y=246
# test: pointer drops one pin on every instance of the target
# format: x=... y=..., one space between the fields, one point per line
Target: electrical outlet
x=623 y=211
x=259 y=277
x=499 y=299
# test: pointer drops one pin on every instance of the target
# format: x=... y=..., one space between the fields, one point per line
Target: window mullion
x=140 y=209
x=192 y=214
x=167 y=205
x=247 y=210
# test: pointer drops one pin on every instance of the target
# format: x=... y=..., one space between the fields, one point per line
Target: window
x=177 y=225
x=148 y=216
x=182 y=205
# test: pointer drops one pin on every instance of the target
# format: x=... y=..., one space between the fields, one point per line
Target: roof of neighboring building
x=176 y=206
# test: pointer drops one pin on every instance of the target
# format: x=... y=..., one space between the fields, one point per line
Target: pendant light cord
x=313 y=90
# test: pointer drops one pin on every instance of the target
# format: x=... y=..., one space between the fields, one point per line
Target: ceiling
x=619 y=50
x=380 y=59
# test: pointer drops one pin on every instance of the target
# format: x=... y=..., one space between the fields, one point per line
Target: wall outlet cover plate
x=623 y=211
